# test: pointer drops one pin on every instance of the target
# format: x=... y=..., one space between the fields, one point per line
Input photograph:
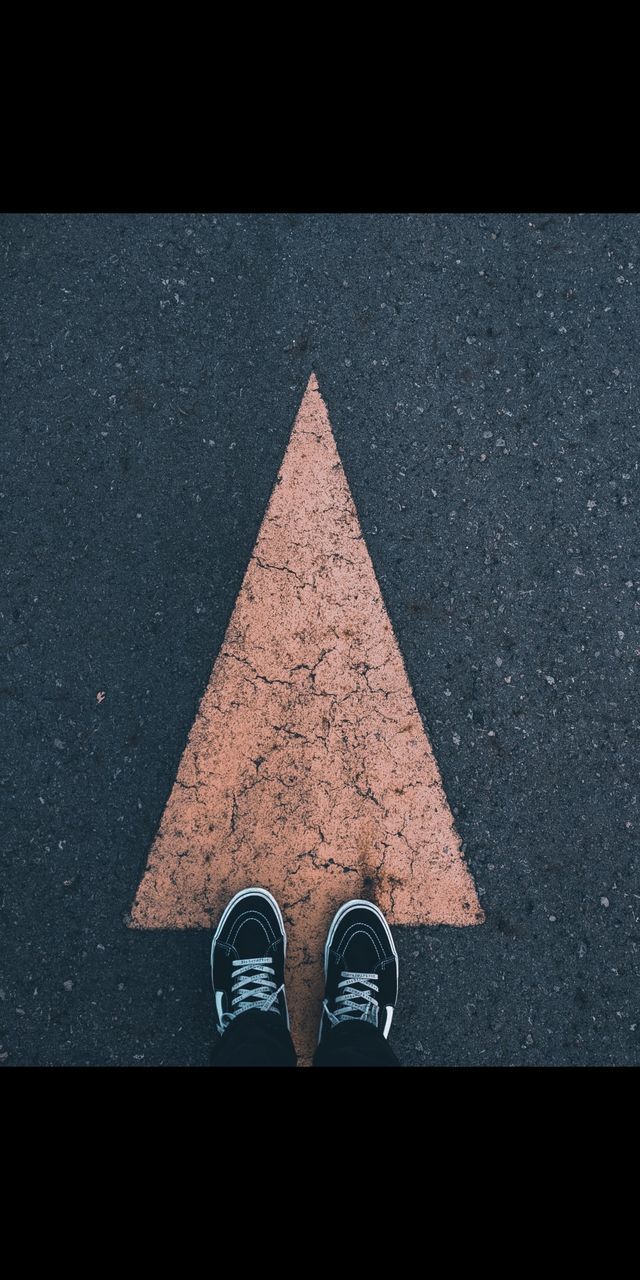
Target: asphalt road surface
x=480 y=373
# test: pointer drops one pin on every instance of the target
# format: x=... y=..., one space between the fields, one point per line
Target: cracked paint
x=308 y=770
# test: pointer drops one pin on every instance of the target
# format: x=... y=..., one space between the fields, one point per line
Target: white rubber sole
x=245 y=893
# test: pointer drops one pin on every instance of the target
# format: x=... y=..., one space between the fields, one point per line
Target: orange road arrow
x=307 y=769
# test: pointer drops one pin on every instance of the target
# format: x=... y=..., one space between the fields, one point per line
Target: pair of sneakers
x=248 y=958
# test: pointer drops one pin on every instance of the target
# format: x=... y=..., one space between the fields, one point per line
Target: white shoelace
x=356 y=1002
x=255 y=988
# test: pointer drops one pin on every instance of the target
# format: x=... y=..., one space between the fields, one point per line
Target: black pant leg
x=354 y=1044
x=255 y=1039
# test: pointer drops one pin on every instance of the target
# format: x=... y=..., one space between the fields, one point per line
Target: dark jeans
x=258 y=1039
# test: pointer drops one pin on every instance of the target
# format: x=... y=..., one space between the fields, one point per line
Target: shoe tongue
x=371 y=1014
x=369 y=1009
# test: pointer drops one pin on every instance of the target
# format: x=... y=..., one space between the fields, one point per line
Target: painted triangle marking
x=307 y=770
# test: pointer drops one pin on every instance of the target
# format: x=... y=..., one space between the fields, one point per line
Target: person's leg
x=354 y=1044
x=361 y=989
x=247 y=973
x=254 y=1040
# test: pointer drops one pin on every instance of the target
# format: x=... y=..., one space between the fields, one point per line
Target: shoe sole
x=371 y=906
x=244 y=893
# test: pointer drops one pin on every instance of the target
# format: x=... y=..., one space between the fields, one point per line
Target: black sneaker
x=360 y=968
x=247 y=958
